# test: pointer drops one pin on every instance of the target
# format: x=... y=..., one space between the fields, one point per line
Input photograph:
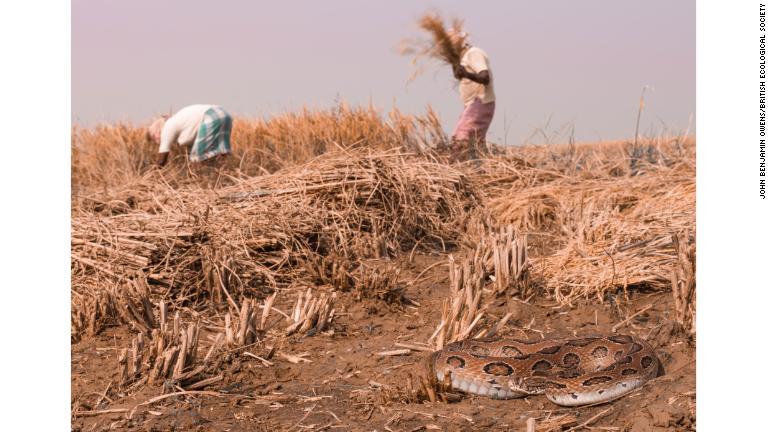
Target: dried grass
x=607 y=213
x=339 y=195
x=174 y=354
x=683 y=279
x=311 y=314
x=502 y=255
x=170 y=354
x=464 y=311
x=380 y=283
x=111 y=164
x=117 y=302
x=443 y=44
x=604 y=232
x=202 y=246
x=573 y=222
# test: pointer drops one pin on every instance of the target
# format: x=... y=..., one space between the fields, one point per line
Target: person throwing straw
x=476 y=91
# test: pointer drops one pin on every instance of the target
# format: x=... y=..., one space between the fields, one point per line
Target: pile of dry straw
x=264 y=233
x=598 y=218
x=604 y=219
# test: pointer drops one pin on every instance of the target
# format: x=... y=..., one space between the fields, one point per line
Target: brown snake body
x=570 y=372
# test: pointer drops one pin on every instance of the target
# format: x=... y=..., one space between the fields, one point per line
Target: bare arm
x=482 y=77
x=162 y=159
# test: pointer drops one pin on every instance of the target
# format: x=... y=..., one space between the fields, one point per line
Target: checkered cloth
x=213 y=135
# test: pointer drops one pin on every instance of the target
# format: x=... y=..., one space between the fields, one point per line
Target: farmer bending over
x=206 y=127
x=476 y=91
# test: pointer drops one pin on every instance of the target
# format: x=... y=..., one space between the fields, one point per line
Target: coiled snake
x=570 y=372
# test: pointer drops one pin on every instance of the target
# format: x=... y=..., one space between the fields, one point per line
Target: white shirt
x=476 y=60
x=182 y=127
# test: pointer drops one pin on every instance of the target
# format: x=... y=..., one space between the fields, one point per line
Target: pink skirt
x=474 y=121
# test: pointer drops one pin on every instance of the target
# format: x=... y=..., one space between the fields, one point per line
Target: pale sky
x=581 y=63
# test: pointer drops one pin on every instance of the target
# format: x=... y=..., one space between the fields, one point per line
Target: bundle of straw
x=445 y=45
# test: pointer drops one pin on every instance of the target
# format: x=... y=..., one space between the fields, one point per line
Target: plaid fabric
x=213 y=135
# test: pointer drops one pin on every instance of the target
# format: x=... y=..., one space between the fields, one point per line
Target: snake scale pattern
x=570 y=372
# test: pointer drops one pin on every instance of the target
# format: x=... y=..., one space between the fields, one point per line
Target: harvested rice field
x=303 y=284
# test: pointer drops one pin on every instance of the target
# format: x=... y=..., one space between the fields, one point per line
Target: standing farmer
x=476 y=91
x=206 y=127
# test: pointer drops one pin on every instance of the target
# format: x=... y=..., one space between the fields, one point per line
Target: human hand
x=162 y=159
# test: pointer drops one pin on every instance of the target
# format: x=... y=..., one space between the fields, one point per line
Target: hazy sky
x=580 y=63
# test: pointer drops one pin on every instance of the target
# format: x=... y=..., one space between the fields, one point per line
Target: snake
x=568 y=371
